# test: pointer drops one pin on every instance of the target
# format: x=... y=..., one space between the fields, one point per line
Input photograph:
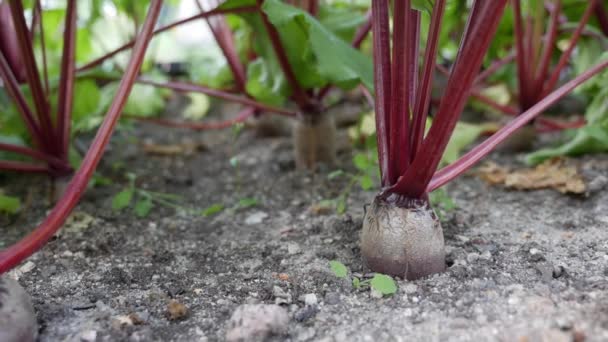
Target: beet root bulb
x=314 y=140
x=403 y=241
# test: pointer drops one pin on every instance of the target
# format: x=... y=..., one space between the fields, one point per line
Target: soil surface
x=523 y=266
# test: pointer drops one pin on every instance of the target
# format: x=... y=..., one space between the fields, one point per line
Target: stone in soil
x=17 y=316
x=256 y=322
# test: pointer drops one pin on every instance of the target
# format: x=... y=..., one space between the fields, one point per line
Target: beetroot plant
x=539 y=62
x=50 y=134
x=401 y=234
x=293 y=57
x=48 y=127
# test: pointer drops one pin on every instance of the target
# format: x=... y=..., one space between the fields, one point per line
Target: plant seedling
x=9 y=204
x=16 y=253
x=402 y=235
x=382 y=283
x=143 y=200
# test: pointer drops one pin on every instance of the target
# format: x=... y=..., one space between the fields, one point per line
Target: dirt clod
x=176 y=310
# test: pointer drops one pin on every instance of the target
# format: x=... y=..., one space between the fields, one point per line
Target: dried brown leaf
x=557 y=173
x=187 y=147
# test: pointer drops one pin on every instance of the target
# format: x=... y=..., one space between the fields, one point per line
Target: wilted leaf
x=555 y=173
x=185 y=148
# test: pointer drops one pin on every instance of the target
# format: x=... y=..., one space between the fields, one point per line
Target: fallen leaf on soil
x=187 y=148
x=556 y=174
x=176 y=310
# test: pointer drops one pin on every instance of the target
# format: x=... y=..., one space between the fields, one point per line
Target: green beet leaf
x=338 y=268
x=9 y=204
x=383 y=284
x=122 y=199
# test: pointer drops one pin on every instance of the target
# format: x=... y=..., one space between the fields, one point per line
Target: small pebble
x=410 y=288
x=256 y=218
x=280 y=296
x=536 y=255
x=373 y=293
x=17 y=318
x=88 y=336
x=305 y=313
x=309 y=299
x=472 y=257
x=255 y=322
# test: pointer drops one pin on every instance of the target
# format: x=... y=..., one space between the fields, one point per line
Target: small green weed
x=380 y=282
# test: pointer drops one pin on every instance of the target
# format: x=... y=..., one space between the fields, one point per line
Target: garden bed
x=522 y=264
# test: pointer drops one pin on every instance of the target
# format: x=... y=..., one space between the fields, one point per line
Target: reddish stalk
x=550 y=84
x=312 y=7
x=382 y=84
x=299 y=94
x=545 y=59
x=16 y=253
x=35 y=154
x=490 y=102
x=130 y=44
x=481 y=25
x=189 y=87
x=33 y=77
x=45 y=68
x=14 y=166
x=422 y=101
x=8 y=43
x=198 y=126
x=225 y=40
x=363 y=31
x=469 y=159
x=66 y=81
x=549 y=125
x=12 y=87
x=520 y=53
x=494 y=67
x=602 y=17
x=402 y=88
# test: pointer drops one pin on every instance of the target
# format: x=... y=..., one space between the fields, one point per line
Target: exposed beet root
x=268 y=125
x=402 y=240
x=58 y=187
x=314 y=140
x=17 y=316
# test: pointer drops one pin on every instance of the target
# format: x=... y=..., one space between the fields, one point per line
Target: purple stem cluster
x=16 y=253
